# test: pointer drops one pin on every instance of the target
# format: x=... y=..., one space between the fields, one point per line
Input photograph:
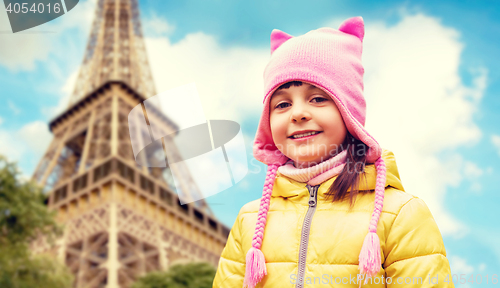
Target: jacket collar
x=287 y=187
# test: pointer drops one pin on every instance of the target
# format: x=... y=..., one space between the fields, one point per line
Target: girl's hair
x=354 y=167
x=349 y=176
x=288 y=84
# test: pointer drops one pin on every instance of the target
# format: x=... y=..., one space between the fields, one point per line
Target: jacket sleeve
x=415 y=251
x=231 y=268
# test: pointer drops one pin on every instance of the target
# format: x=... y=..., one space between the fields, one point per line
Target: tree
x=191 y=275
x=23 y=218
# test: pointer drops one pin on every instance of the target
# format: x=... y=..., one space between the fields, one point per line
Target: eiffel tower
x=121 y=219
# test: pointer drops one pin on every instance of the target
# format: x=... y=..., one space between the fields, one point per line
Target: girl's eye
x=320 y=99
x=281 y=105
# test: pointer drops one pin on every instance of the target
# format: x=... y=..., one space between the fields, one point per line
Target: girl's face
x=301 y=110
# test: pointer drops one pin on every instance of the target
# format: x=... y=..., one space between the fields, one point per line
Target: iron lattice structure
x=115 y=51
x=121 y=219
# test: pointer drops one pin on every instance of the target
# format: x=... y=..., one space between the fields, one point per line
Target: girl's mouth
x=305 y=137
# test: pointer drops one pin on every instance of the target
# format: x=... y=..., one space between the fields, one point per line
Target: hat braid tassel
x=255 y=268
x=369 y=257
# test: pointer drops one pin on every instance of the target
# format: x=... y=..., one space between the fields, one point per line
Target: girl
x=333 y=210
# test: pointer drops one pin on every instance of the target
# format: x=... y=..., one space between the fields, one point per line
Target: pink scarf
x=316 y=174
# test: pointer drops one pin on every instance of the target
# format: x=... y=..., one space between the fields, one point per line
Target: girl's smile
x=306 y=125
x=301 y=136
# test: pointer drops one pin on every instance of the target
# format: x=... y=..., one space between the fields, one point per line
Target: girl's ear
x=278 y=37
x=354 y=26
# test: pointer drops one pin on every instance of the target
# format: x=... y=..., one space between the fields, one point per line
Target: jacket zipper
x=304 y=239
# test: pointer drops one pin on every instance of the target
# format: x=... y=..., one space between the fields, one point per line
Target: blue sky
x=432 y=65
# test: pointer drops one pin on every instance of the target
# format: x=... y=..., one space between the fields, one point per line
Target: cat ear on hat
x=354 y=26
x=278 y=37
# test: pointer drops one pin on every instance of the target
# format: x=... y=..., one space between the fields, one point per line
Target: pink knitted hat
x=331 y=60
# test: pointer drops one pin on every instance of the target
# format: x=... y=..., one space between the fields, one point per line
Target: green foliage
x=22 y=211
x=24 y=217
x=20 y=270
x=191 y=275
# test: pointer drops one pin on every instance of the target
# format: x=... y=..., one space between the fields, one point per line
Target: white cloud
x=495 y=140
x=47 y=45
x=419 y=108
x=9 y=145
x=36 y=136
x=155 y=26
x=28 y=143
x=20 y=51
x=65 y=91
x=229 y=80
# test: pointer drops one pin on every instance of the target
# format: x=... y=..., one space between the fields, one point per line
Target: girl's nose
x=300 y=113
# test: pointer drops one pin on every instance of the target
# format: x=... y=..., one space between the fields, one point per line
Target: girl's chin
x=303 y=163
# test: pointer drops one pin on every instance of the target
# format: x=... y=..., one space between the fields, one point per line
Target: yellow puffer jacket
x=412 y=249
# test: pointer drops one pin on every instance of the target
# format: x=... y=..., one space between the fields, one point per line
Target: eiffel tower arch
x=121 y=219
